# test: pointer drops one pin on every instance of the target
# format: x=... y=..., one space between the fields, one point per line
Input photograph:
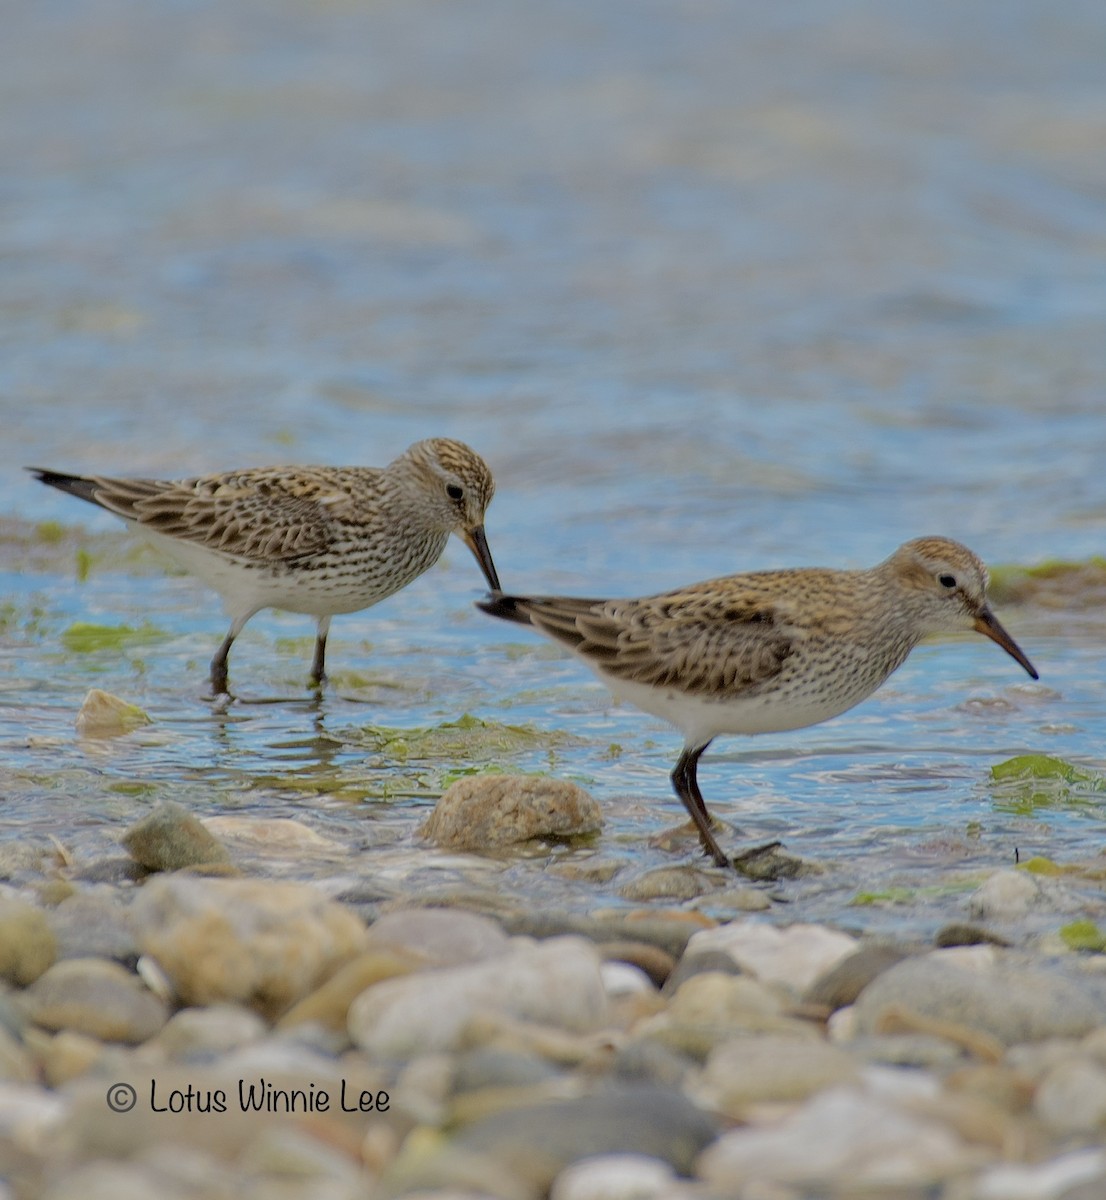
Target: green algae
x=1030 y=782
x=84 y=637
x=892 y=896
x=468 y=740
x=1083 y=935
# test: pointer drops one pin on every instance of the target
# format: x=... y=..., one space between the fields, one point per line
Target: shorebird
x=316 y=540
x=767 y=651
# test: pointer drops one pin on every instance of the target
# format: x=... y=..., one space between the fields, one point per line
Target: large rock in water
x=258 y=943
x=484 y=811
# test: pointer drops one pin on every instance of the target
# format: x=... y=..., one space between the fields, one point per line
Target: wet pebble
x=1010 y=895
x=27 y=943
x=171 y=838
x=483 y=811
x=259 y=943
x=670 y=883
x=103 y=715
x=96 y=997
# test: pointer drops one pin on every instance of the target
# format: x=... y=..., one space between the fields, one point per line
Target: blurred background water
x=711 y=285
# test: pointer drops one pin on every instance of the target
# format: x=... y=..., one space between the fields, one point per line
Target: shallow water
x=712 y=287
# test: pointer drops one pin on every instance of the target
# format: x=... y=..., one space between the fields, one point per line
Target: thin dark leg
x=219 y=662
x=219 y=666
x=318 y=663
x=686 y=785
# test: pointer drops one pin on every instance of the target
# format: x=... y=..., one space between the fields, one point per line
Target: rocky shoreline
x=175 y=1028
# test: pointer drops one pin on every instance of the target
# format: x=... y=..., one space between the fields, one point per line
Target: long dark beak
x=478 y=544
x=988 y=625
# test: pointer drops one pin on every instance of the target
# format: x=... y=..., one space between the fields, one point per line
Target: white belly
x=700 y=719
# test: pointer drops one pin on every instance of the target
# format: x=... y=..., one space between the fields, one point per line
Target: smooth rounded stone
x=645 y=1120
x=555 y=982
x=670 y=883
x=657 y=928
x=293 y=1156
x=1080 y=1175
x=767 y=864
x=623 y=979
x=748 y=1071
x=24 y=859
x=1011 y=1000
x=794 y=956
x=16 y=1063
x=442 y=937
x=616 y=1177
x=840 y=1137
x=960 y=933
x=272 y=834
x=171 y=838
x=737 y=899
x=1011 y=895
x=712 y=1008
x=906 y=1050
x=103 y=715
x=705 y=962
x=30 y=1119
x=251 y=941
x=1071 y=1099
x=27 y=943
x=489 y=1067
x=70 y=1055
x=843 y=982
x=107 y=1181
x=93 y=925
x=658 y=964
x=198 y=1034
x=484 y=811
x=97 y=997
x=645 y=1060
x=328 y=1005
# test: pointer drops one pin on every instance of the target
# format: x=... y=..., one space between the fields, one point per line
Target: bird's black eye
x=947 y=581
x=455 y=492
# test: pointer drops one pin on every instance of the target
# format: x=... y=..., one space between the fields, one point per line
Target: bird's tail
x=75 y=485
x=509 y=608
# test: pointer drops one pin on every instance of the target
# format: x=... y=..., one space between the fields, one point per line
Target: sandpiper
x=767 y=651
x=316 y=540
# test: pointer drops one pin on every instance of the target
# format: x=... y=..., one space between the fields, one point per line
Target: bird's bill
x=988 y=625
x=478 y=544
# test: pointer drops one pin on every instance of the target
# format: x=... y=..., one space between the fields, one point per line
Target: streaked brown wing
x=261 y=514
x=701 y=643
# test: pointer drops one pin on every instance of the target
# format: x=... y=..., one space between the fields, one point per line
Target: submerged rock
x=171 y=838
x=484 y=811
x=103 y=715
